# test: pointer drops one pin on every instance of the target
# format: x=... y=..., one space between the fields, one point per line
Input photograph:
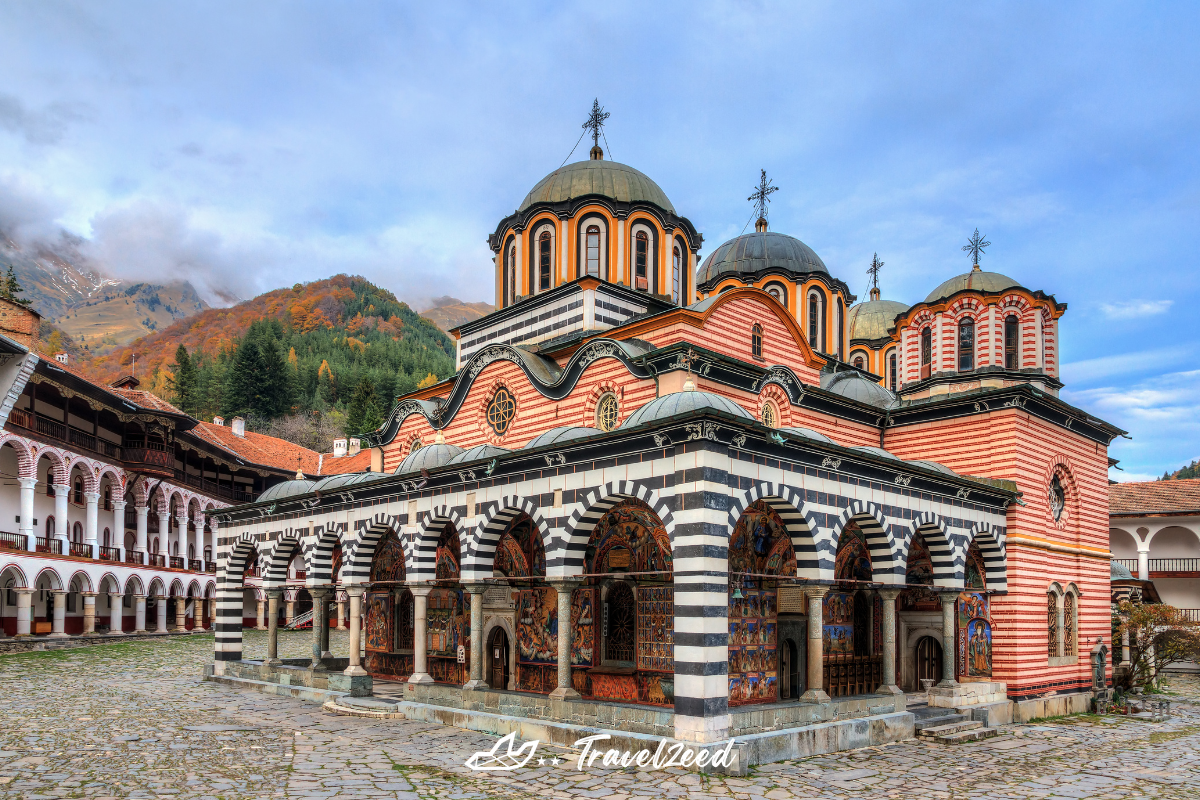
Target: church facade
x=693 y=499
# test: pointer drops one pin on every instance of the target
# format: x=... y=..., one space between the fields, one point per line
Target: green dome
x=975 y=281
x=605 y=178
x=871 y=320
x=752 y=253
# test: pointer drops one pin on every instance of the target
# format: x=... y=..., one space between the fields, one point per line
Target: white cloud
x=1094 y=369
x=1135 y=309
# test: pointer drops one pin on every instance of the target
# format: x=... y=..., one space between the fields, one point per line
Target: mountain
x=97 y=311
x=333 y=335
x=450 y=312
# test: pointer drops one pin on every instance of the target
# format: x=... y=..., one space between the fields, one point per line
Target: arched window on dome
x=859 y=361
x=641 y=255
x=593 y=251
x=966 y=344
x=545 y=249
x=1012 y=342
x=756 y=340
x=510 y=275
x=926 y=353
x=892 y=370
x=778 y=291
x=676 y=274
x=816 y=320
x=839 y=327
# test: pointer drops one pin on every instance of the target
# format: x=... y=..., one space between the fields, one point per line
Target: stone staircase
x=946 y=727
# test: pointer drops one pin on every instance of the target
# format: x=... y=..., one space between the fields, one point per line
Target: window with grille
x=926 y=353
x=676 y=274
x=607 y=412
x=544 y=251
x=510 y=277
x=756 y=340
x=892 y=371
x=1052 y=623
x=859 y=363
x=814 y=325
x=641 y=254
x=593 y=251
x=500 y=411
x=1069 y=624
x=619 y=610
x=1012 y=342
x=414 y=446
x=769 y=417
x=966 y=344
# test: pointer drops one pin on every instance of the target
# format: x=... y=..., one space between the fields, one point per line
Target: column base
x=889 y=689
x=948 y=683
x=90 y=634
x=272 y=662
x=815 y=696
x=564 y=693
x=57 y=636
x=420 y=677
x=476 y=686
x=22 y=635
x=354 y=670
x=139 y=630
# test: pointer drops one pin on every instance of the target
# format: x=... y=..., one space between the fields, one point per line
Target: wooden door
x=498 y=654
x=929 y=660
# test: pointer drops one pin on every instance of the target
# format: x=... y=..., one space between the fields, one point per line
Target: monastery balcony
x=157 y=560
x=152 y=456
x=79 y=550
x=176 y=562
x=110 y=553
x=1171 y=567
x=210 y=567
x=135 y=557
x=214 y=488
x=55 y=429
x=1192 y=614
x=48 y=545
x=13 y=541
x=195 y=565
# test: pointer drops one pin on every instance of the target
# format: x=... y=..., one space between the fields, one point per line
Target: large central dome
x=605 y=178
x=753 y=253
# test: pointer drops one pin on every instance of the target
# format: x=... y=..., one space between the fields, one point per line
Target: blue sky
x=247 y=146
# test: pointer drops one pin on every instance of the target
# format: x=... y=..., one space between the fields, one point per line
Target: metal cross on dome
x=873 y=271
x=975 y=246
x=762 y=195
x=595 y=122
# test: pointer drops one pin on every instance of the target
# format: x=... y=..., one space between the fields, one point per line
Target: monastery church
x=703 y=499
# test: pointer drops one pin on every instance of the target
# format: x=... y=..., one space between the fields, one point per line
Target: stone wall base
x=1056 y=706
x=36 y=643
x=292 y=678
x=968 y=694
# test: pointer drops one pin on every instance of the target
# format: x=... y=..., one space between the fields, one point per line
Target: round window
x=415 y=446
x=500 y=411
x=606 y=412
x=1058 y=498
x=769 y=418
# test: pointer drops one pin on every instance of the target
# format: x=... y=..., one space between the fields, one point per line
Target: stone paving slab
x=134 y=720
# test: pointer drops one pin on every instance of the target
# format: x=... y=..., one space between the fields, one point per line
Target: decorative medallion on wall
x=607 y=412
x=500 y=411
x=1058 y=498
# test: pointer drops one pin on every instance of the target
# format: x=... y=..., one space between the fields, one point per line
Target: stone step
x=933 y=722
x=972 y=735
x=952 y=727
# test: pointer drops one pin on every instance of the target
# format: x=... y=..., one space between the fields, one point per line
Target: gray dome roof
x=560 y=435
x=878 y=452
x=286 y=489
x=853 y=386
x=478 y=453
x=975 y=281
x=871 y=320
x=346 y=479
x=605 y=178
x=935 y=466
x=1120 y=572
x=428 y=457
x=755 y=252
x=681 y=403
x=808 y=433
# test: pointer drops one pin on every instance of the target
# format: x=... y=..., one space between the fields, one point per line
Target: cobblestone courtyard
x=135 y=720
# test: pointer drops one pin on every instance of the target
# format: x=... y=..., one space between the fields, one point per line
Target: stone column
x=212 y=613
x=139 y=618
x=290 y=614
x=164 y=534
x=212 y=526
x=161 y=608
x=118 y=528
x=1125 y=656
x=181 y=614
x=89 y=613
x=140 y=542
x=949 y=640
x=888 y=686
x=273 y=596
x=91 y=522
x=476 y=680
x=420 y=636
x=24 y=610
x=25 y=527
x=58 y=629
x=565 y=690
x=355 y=668
x=325 y=625
x=341 y=614
x=816 y=646
x=320 y=599
x=261 y=614
x=181 y=533
x=1143 y=563
x=62 y=526
x=115 y=613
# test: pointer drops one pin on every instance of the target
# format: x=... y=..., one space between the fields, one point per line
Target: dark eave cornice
x=566 y=209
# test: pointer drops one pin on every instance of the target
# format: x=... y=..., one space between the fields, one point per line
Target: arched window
x=837 y=346
x=1012 y=342
x=50 y=526
x=50 y=483
x=926 y=353
x=544 y=252
x=770 y=417
x=756 y=340
x=107 y=537
x=593 y=251
x=676 y=274
x=859 y=363
x=640 y=255
x=79 y=490
x=1052 y=624
x=607 y=412
x=154 y=545
x=966 y=344
x=816 y=321
x=619 y=624
x=1069 y=624
x=77 y=533
x=108 y=498
x=892 y=370
x=778 y=291
x=510 y=276
x=414 y=445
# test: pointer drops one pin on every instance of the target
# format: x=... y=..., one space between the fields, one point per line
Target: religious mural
x=918 y=574
x=974 y=623
x=520 y=553
x=385 y=657
x=838 y=623
x=629 y=538
x=447 y=615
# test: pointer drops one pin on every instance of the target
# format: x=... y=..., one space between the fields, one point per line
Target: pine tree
x=11 y=289
x=363 y=415
x=276 y=385
x=241 y=384
x=185 y=382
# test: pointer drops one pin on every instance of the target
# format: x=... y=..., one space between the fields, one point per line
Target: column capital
x=140 y=596
x=355 y=590
x=119 y=505
x=273 y=594
x=475 y=588
x=89 y=594
x=889 y=593
x=92 y=497
x=60 y=591
x=114 y=594
x=420 y=591
x=320 y=592
x=27 y=483
x=816 y=591
x=66 y=487
x=23 y=591
x=141 y=511
x=569 y=582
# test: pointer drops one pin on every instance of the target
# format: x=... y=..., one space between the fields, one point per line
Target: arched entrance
x=853 y=642
x=929 y=660
x=388 y=639
x=496 y=659
x=447 y=617
x=521 y=557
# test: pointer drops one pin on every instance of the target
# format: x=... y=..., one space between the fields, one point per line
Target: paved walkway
x=134 y=720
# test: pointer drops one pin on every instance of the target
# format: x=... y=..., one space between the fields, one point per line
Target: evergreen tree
x=11 y=289
x=276 y=386
x=241 y=394
x=363 y=414
x=185 y=382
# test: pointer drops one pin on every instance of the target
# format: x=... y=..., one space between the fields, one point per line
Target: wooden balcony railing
x=213 y=488
x=1192 y=614
x=210 y=567
x=1173 y=565
x=300 y=575
x=49 y=545
x=195 y=565
x=1129 y=564
x=13 y=541
x=110 y=553
x=176 y=562
x=57 y=430
x=157 y=559
x=79 y=550
x=150 y=457
x=135 y=557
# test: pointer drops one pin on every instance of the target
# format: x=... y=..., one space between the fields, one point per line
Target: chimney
x=355 y=446
x=219 y=421
x=239 y=427
x=61 y=357
x=339 y=448
x=20 y=323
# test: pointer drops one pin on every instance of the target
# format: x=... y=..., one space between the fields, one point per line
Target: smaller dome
x=853 y=386
x=560 y=435
x=1120 y=572
x=756 y=252
x=346 y=479
x=878 y=452
x=871 y=320
x=682 y=403
x=808 y=433
x=975 y=281
x=286 y=489
x=478 y=453
x=935 y=466
x=428 y=457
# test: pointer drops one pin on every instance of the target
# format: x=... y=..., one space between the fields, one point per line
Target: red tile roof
x=260 y=449
x=359 y=462
x=1155 y=497
x=145 y=400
